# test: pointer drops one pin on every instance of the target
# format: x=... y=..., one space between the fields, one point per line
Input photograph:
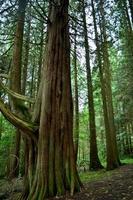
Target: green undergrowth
x=128 y=160
x=94 y=175
x=90 y=176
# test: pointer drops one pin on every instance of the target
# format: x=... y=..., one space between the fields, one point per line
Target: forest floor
x=111 y=185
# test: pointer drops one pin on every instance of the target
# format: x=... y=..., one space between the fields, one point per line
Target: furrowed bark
x=56 y=166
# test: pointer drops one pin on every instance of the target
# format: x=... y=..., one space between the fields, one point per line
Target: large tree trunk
x=56 y=166
x=94 y=159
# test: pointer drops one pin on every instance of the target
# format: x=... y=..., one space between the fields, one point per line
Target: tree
x=106 y=91
x=55 y=171
x=15 y=81
x=94 y=159
x=124 y=80
x=56 y=167
x=76 y=96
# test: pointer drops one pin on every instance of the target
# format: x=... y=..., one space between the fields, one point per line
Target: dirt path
x=118 y=186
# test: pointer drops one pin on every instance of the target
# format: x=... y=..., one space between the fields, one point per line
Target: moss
x=93 y=176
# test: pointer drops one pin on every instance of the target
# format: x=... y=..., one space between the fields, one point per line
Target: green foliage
x=7 y=133
x=127 y=160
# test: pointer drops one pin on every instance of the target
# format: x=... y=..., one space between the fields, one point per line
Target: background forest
x=101 y=65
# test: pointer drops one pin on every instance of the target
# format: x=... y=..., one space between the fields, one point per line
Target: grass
x=89 y=176
x=94 y=175
x=127 y=160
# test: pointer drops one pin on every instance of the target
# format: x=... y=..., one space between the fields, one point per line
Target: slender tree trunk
x=1 y=127
x=26 y=54
x=130 y=137
x=108 y=91
x=131 y=8
x=16 y=79
x=14 y=171
x=17 y=53
x=32 y=83
x=111 y=145
x=27 y=142
x=41 y=55
x=128 y=17
x=94 y=159
x=76 y=105
x=56 y=166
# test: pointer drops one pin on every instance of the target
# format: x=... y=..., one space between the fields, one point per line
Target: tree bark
x=94 y=159
x=56 y=166
x=15 y=83
x=41 y=54
x=113 y=158
x=111 y=145
x=76 y=105
x=26 y=52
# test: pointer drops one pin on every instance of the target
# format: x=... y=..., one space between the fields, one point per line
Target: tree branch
x=6 y=9
x=16 y=95
x=6 y=76
x=27 y=128
x=44 y=17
